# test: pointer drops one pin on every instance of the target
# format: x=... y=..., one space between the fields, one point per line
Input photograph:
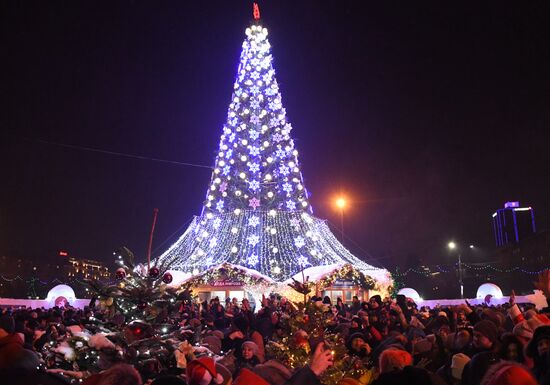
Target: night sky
x=427 y=115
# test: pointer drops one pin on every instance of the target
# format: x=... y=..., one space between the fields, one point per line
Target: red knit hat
x=509 y=373
x=247 y=377
x=197 y=368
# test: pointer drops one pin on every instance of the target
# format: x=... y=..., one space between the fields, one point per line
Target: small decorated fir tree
x=140 y=293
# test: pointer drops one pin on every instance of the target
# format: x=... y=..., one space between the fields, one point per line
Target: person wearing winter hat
x=538 y=349
x=375 y=301
x=524 y=330
x=485 y=335
x=422 y=346
x=394 y=359
x=355 y=325
x=247 y=357
x=508 y=373
x=540 y=342
x=273 y=372
x=396 y=368
x=486 y=344
x=357 y=345
x=511 y=348
x=202 y=371
x=458 y=362
x=462 y=340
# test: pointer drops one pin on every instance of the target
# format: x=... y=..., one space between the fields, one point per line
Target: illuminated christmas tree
x=256 y=213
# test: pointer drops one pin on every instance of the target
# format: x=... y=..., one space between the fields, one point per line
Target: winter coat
x=476 y=368
x=11 y=348
x=304 y=376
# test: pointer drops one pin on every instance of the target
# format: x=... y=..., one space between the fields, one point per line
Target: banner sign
x=226 y=282
x=343 y=283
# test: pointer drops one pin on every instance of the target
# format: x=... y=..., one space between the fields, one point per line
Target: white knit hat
x=458 y=363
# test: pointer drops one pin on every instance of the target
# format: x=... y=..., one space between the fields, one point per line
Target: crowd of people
x=226 y=342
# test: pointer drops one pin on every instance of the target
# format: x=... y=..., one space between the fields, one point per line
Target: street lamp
x=341 y=203
x=452 y=246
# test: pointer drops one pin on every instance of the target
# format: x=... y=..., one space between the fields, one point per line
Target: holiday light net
x=256 y=213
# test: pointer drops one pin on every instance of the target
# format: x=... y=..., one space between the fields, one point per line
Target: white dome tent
x=411 y=293
x=489 y=289
x=59 y=294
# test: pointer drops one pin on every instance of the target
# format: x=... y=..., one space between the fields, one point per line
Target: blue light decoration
x=256 y=207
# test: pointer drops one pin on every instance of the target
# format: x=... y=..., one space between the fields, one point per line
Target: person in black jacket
x=487 y=347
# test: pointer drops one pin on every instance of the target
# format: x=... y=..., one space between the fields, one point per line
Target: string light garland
x=428 y=271
x=398 y=284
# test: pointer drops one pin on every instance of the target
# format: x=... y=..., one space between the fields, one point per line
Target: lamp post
x=341 y=204
x=453 y=246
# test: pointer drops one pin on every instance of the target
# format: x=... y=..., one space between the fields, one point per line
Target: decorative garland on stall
x=226 y=271
x=349 y=273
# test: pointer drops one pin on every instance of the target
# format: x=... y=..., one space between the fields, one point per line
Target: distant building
x=21 y=277
x=513 y=223
x=519 y=263
x=86 y=268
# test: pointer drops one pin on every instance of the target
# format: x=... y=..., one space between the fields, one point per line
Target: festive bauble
x=154 y=272
x=142 y=305
x=138 y=330
x=167 y=278
x=120 y=273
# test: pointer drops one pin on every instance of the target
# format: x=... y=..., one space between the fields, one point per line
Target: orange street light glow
x=341 y=203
